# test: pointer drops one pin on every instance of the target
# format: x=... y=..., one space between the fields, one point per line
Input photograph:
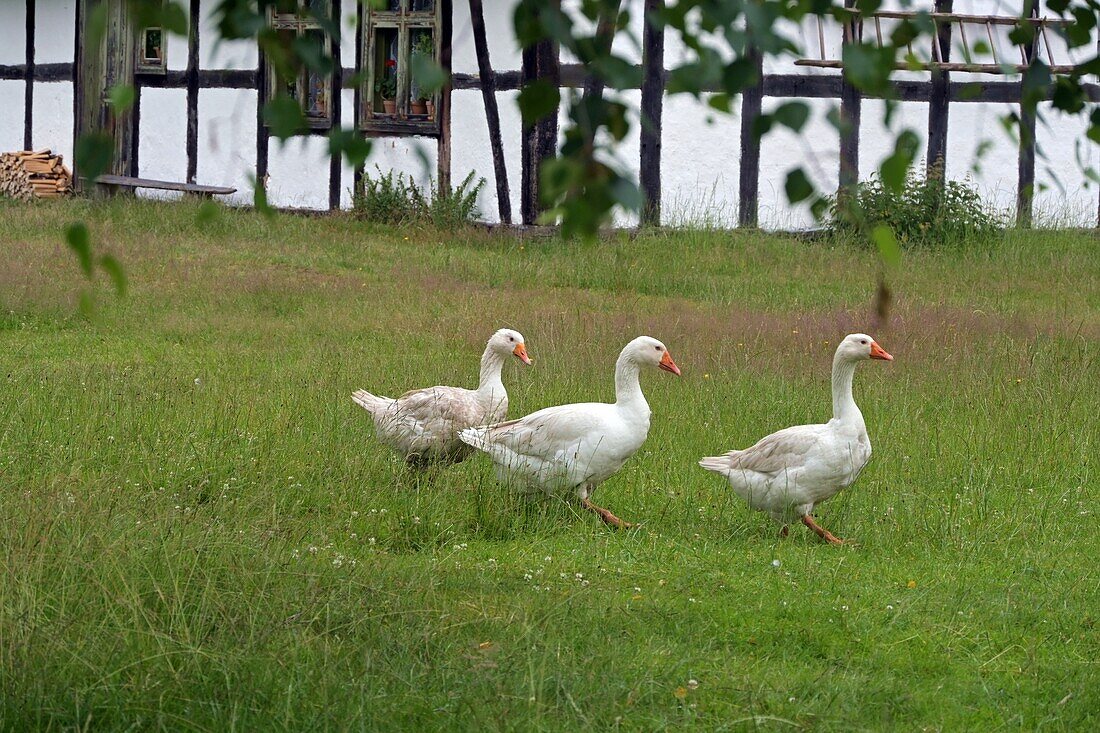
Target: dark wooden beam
x=605 y=38
x=749 y=180
x=193 y=92
x=540 y=61
x=261 y=128
x=334 y=167
x=1025 y=185
x=492 y=113
x=850 y=113
x=74 y=71
x=652 y=108
x=349 y=74
x=939 y=102
x=28 y=76
x=443 y=146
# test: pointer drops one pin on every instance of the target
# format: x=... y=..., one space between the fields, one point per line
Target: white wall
x=13 y=20
x=701 y=148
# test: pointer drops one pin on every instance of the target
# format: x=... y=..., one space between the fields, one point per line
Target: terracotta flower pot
x=389 y=106
x=418 y=108
x=431 y=109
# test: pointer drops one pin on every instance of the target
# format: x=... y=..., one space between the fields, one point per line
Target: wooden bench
x=111 y=184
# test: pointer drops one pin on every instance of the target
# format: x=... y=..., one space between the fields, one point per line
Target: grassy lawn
x=198 y=532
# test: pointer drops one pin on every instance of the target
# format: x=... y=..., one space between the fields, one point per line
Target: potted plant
x=386 y=87
x=422 y=103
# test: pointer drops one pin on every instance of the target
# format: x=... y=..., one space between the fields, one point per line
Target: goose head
x=508 y=342
x=646 y=351
x=859 y=346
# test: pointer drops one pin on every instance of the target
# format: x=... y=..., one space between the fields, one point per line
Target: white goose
x=790 y=471
x=423 y=424
x=576 y=447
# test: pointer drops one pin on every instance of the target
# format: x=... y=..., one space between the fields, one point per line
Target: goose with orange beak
x=789 y=472
x=572 y=449
x=423 y=424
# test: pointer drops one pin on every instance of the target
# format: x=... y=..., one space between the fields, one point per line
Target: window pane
x=385 y=70
x=151 y=50
x=422 y=6
x=422 y=48
x=316 y=88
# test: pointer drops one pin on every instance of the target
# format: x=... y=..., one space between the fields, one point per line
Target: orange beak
x=877 y=352
x=668 y=364
x=521 y=353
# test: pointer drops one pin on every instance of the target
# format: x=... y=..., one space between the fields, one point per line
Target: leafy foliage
x=925 y=212
x=394 y=198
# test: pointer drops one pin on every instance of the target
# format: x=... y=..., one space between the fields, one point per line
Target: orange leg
x=821 y=531
x=606 y=515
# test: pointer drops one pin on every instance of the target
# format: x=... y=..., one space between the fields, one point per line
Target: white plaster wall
x=227 y=141
x=163 y=136
x=1062 y=195
x=13 y=32
x=55 y=24
x=215 y=53
x=694 y=193
x=176 y=47
x=978 y=148
x=53 y=118
x=504 y=52
x=475 y=154
x=11 y=115
x=298 y=172
x=816 y=149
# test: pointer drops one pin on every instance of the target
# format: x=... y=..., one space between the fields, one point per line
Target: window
x=295 y=22
x=151 y=57
x=395 y=40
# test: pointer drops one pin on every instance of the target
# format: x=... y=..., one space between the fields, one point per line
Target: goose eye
x=510 y=338
x=657 y=347
x=863 y=341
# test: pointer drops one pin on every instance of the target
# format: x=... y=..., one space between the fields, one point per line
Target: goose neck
x=492 y=362
x=844 y=405
x=628 y=388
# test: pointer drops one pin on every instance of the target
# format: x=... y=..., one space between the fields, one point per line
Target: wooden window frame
x=142 y=65
x=405 y=21
x=301 y=23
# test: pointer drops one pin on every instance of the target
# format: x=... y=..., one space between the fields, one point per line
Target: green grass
x=198 y=532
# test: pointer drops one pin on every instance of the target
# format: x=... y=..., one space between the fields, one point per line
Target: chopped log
x=29 y=174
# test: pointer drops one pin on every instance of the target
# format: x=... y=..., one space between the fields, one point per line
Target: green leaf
x=350 y=144
x=626 y=194
x=798 y=186
x=121 y=97
x=887 y=244
x=429 y=75
x=792 y=115
x=283 y=116
x=537 y=99
x=111 y=266
x=79 y=241
x=894 y=169
x=93 y=154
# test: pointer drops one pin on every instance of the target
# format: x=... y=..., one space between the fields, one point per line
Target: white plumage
x=423 y=424
x=574 y=448
x=790 y=471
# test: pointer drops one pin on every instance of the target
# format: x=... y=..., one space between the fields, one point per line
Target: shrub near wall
x=923 y=213
x=392 y=198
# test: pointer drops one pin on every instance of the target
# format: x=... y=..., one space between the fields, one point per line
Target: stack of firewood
x=26 y=175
